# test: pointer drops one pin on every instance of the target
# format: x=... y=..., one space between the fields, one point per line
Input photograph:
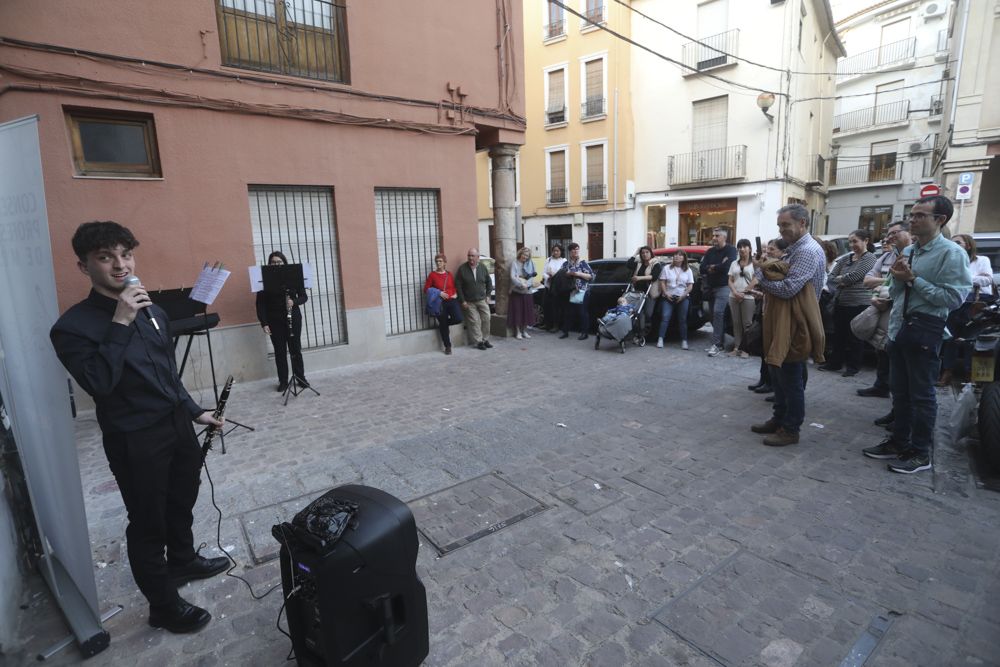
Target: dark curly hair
x=100 y=235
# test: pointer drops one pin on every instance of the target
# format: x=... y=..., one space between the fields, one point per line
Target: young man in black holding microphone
x=116 y=345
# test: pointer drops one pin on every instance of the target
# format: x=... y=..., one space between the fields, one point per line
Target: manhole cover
x=256 y=524
x=456 y=516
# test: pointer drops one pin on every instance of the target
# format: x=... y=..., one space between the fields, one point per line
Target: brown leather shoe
x=770 y=426
x=781 y=438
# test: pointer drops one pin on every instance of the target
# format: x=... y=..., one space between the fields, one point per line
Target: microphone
x=134 y=280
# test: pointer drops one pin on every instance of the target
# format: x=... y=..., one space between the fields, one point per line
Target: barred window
x=300 y=222
x=408 y=227
x=306 y=38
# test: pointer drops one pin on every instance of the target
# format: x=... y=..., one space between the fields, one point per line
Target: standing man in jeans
x=715 y=275
x=929 y=280
x=472 y=284
x=806 y=271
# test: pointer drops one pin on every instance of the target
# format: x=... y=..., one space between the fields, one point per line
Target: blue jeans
x=720 y=299
x=667 y=309
x=576 y=313
x=788 y=382
x=913 y=372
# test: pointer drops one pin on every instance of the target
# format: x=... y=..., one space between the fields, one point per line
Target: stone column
x=504 y=244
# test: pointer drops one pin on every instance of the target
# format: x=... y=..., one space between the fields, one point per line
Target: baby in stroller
x=618 y=323
x=623 y=309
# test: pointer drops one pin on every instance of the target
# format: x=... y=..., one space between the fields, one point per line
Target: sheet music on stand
x=209 y=283
x=257 y=279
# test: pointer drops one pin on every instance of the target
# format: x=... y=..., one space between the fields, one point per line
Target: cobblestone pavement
x=654 y=528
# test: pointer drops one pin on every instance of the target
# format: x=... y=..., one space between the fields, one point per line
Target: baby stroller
x=619 y=325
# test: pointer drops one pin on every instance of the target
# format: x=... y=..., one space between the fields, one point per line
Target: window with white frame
x=300 y=222
x=593 y=73
x=408 y=230
x=556 y=193
x=594 y=175
x=555 y=21
x=555 y=95
x=594 y=11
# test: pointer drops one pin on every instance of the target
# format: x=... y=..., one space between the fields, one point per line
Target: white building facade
x=706 y=155
x=888 y=118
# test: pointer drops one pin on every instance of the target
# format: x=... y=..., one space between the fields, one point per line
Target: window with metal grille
x=408 y=228
x=300 y=222
x=306 y=38
x=593 y=82
x=556 y=193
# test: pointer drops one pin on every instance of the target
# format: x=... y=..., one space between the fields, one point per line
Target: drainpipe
x=614 y=176
x=958 y=70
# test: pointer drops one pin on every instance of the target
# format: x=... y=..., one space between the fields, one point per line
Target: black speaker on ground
x=348 y=570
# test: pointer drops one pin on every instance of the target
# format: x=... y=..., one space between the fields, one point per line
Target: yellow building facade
x=574 y=172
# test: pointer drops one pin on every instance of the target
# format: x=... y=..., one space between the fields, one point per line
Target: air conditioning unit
x=932 y=9
x=916 y=147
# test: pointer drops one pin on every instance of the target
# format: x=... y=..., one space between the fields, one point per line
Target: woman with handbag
x=521 y=306
x=676 y=283
x=645 y=278
x=850 y=298
x=448 y=312
x=741 y=306
x=581 y=274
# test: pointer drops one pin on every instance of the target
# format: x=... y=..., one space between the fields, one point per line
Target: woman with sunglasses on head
x=676 y=283
x=448 y=310
x=281 y=319
x=850 y=298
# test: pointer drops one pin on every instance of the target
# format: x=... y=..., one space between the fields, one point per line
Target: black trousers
x=285 y=346
x=158 y=470
x=847 y=348
x=451 y=314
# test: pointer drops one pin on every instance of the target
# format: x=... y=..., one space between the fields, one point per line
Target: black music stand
x=282 y=279
x=195 y=319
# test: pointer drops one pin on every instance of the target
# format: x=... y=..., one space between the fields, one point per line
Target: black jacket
x=720 y=258
x=271 y=306
x=129 y=370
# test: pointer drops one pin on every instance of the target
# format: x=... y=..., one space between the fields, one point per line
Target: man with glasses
x=714 y=270
x=897 y=237
x=930 y=279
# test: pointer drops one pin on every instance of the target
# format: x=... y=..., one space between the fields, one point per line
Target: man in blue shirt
x=929 y=280
x=714 y=270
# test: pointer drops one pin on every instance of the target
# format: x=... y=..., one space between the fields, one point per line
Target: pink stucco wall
x=199 y=210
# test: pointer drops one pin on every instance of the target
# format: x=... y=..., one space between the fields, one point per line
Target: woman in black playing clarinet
x=281 y=319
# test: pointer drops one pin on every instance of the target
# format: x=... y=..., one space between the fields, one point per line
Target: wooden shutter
x=557 y=170
x=595 y=79
x=557 y=82
x=595 y=165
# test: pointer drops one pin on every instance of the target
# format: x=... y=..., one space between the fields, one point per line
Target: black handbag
x=753 y=338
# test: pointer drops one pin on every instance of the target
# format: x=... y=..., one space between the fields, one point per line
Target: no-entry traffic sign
x=930 y=190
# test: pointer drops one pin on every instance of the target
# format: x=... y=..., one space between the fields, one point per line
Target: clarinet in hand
x=219 y=413
x=288 y=314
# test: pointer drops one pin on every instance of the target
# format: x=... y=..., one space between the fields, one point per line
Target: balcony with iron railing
x=711 y=52
x=595 y=192
x=875 y=171
x=556 y=197
x=594 y=15
x=555 y=115
x=817 y=170
x=717 y=164
x=555 y=29
x=894 y=53
x=592 y=108
x=869 y=117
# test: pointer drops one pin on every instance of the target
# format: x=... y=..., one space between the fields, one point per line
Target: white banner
x=34 y=384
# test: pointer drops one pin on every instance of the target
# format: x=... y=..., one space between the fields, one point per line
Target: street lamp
x=765 y=101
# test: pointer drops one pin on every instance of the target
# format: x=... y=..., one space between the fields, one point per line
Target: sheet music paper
x=209 y=284
x=307 y=275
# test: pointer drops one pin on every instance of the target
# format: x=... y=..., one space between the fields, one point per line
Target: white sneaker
x=684 y=345
x=714 y=351
x=518 y=335
x=525 y=334
x=659 y=342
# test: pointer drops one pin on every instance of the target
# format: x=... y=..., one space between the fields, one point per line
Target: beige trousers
x=477 y=317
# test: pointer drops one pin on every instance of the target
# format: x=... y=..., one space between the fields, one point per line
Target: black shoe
x=769 y=399
x=487 y=344
x=582 y=337
x=829 y=367
x=179 y=616
x=480 y=345
x=282 y=388
x=874 y=391
x=887 y=449
x=755 y=387
x=763 y=389
x=885 y=419
x=849 y=373
x=911 y=462
x=564 y=335
x=199 y=568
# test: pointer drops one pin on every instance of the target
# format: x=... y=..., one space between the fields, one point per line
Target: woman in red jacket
x=448 y=312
